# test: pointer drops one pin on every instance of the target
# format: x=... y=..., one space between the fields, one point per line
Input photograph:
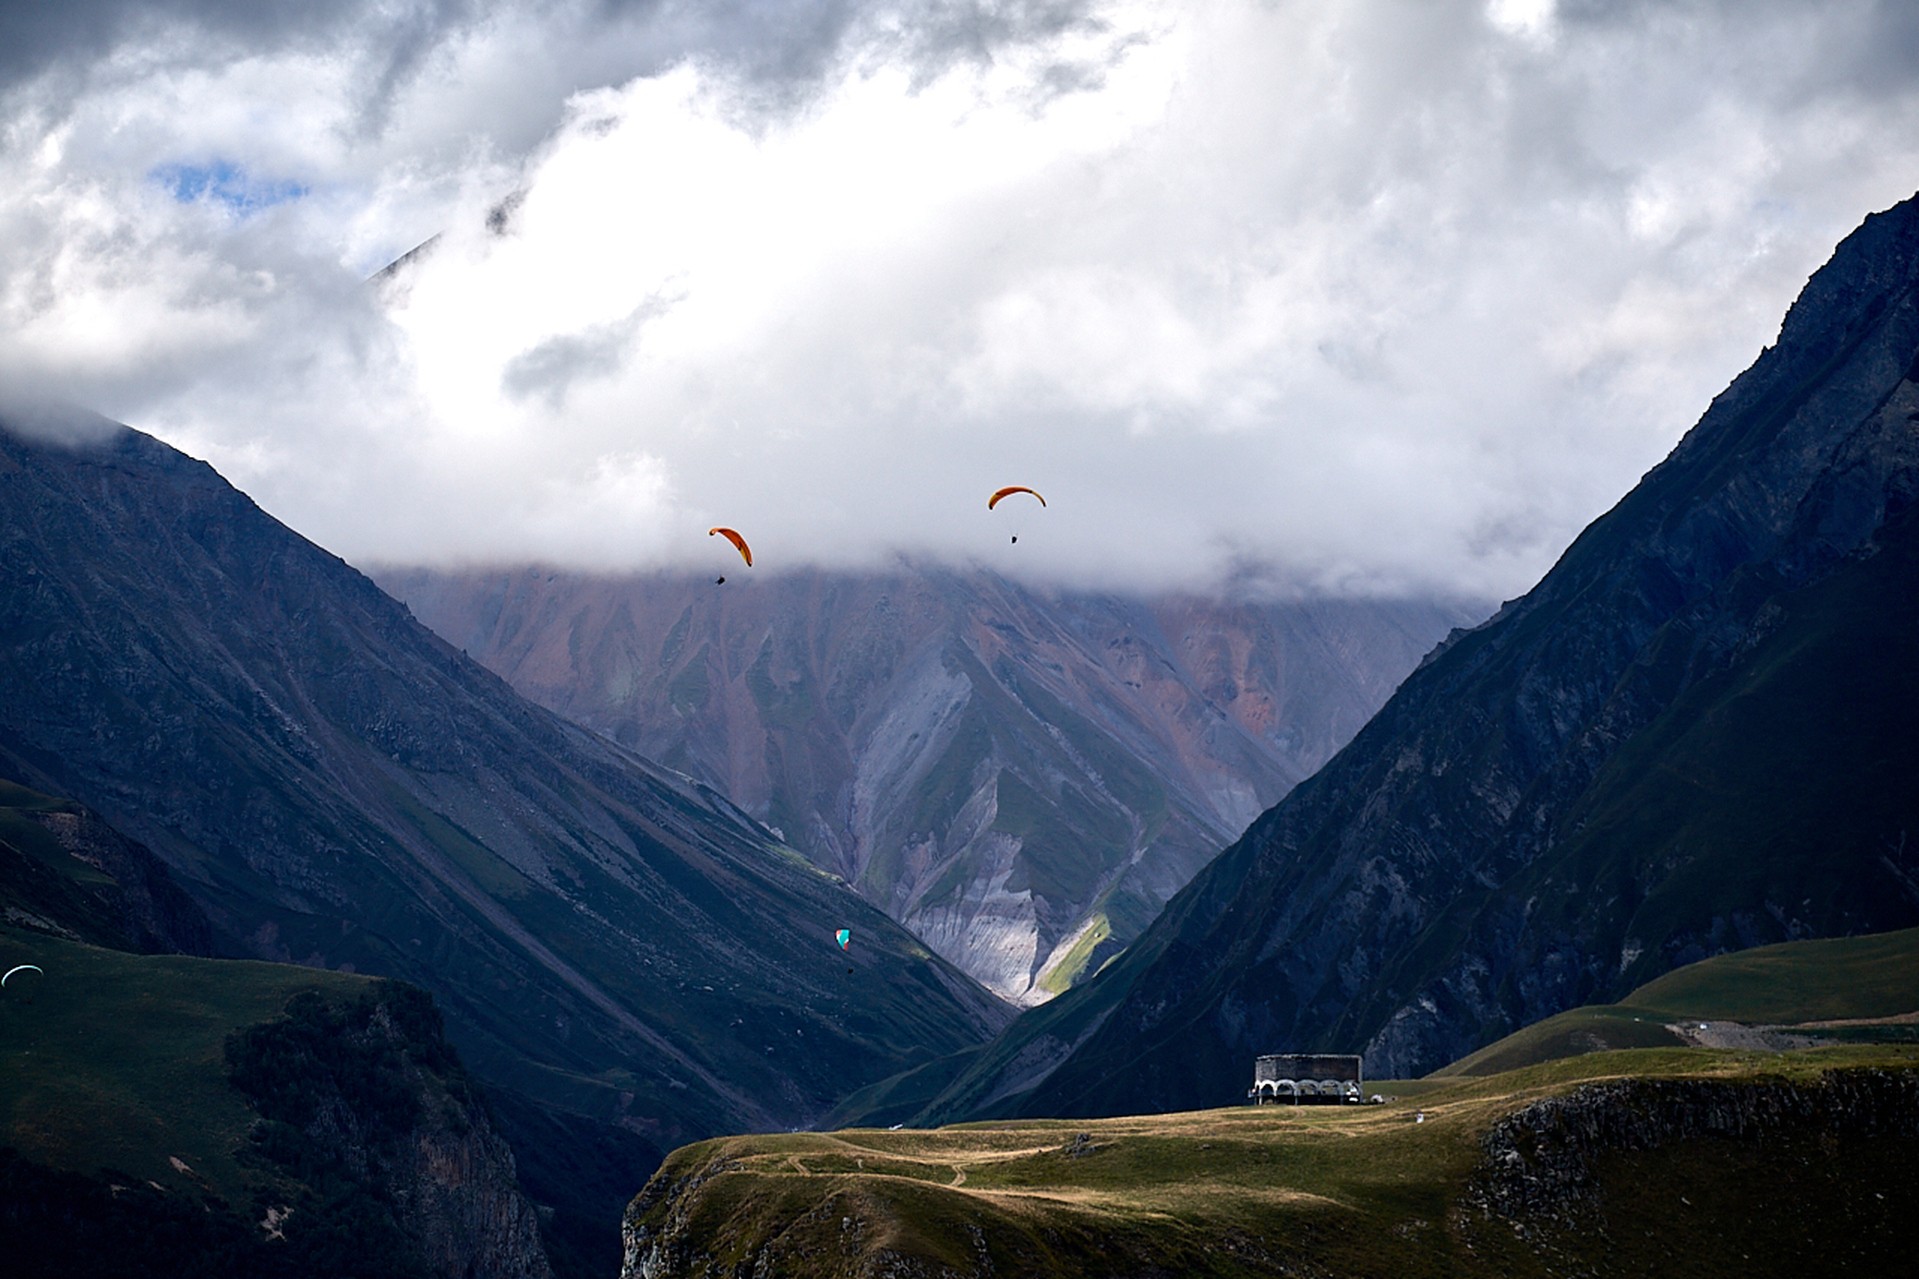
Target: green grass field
x=1866 y=984
x=1802 y=981
x=115 y=1061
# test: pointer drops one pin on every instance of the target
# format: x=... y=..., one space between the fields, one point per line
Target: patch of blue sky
x=226 y=184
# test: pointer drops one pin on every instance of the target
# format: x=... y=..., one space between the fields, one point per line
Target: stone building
x=1300 y=1078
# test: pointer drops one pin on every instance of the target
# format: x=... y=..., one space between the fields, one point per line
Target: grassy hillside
x=1379 y=1190
x=1840 y=989
x=1802 y=981
x=116 y=1061
x=1270 y=1190
x=167 y=1115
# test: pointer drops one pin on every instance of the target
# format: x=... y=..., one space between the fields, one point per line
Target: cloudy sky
x=1350 y=295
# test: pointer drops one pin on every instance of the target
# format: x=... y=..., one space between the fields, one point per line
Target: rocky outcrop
x=1541 y=1164
x=667 y=1250
x=1758 y=1177
x=113 y=892
x=1022 y=777
x=369 y=1096
x=370 y=1154
x=1694 y=735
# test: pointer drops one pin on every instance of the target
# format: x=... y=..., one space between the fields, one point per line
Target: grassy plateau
x=1338 y=1190
x=1398 y=1188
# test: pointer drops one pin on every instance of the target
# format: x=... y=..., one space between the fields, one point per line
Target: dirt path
x=1738 y=1035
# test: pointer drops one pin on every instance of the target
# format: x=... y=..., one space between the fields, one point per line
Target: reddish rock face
x=1021 y=777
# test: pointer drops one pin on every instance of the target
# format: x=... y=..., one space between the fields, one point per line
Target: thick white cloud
x=1364 y=296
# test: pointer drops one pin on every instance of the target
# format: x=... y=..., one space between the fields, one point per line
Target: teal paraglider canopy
x=35 y=968
x=843 y=936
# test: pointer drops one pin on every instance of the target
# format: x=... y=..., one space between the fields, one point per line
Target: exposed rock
x=659 y=1253
x=129 y=902
x=375 y=1092
x=1557 y=1174
x=370 y=1155
x=1540 y=1163
x=1021 y=777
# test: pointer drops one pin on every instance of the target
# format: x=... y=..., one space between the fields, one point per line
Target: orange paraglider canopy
x=739 y=543
x=993 y=501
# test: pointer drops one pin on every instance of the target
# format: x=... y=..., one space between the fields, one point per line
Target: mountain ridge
x=1021 y=776
x=334 y=785
x=1392 y=902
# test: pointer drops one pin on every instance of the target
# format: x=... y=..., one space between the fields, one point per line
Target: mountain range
x=623 y=957
x=1020 y=776
x=1693 y=736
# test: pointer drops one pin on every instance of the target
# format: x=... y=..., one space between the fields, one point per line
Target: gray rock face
x=375 y=1093
x=1022 y=778
x=1542 y=1163
x=1558 y=1175
x=1692 y=736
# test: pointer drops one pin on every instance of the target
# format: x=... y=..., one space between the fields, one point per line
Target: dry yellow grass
x=1346 y=1189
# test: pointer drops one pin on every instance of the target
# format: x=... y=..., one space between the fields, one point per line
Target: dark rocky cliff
x=364 y=1148
x=366 y=1107
x=65 y=871
x=1750 y=1177
x=1542 y=1162
x=1694 y=735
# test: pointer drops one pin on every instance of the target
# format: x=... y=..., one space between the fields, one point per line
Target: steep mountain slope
x=65 y=872
x=1020 y=777
x=337 y=787
x=1694 y=735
